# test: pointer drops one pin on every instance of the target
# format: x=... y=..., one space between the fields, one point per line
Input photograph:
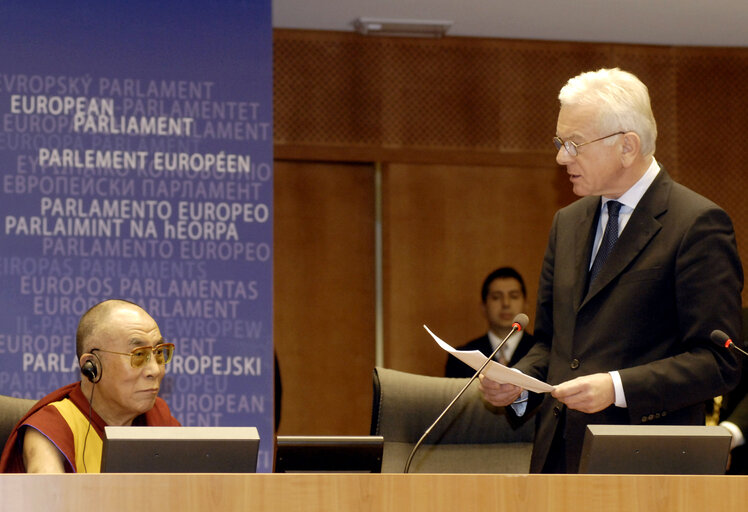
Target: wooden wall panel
x=444 y=229
x=324 y=296
x=345 y=96
x=474 y=101
x=712 y=106
x=456 y=124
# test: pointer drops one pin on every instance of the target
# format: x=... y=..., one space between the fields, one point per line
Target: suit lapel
x=642 y=226
x=584 y=237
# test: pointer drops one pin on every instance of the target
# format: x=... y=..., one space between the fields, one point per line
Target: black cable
x=90 y=413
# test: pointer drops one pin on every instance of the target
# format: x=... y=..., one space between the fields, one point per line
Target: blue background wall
x=92 y=207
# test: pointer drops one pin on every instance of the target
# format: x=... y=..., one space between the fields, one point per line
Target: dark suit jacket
x=672 y=278
x=456 y=368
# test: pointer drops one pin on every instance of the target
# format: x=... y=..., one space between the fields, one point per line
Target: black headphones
x=90 y=370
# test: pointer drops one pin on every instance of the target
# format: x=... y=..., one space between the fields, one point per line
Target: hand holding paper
x=494 y=371
x=500 y=395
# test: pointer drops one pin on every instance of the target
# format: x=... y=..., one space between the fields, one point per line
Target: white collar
x=633 y=195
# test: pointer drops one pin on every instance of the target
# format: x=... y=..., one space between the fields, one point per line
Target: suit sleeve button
x=574 y=364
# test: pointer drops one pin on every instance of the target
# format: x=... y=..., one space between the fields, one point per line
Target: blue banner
x=136 y=163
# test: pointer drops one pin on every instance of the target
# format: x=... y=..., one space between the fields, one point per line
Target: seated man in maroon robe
x=122 y=358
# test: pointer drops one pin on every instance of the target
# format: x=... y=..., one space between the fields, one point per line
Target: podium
x=373 y=492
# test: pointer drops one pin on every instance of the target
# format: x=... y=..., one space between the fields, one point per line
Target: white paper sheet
x=494 y=371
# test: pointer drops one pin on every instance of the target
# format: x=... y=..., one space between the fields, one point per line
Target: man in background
x=503 y=297
x=122 y=356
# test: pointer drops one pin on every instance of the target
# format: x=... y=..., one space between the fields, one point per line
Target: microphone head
x=721 y=338
x=520 y=321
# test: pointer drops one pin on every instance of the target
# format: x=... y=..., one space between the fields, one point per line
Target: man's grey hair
x=622 y=100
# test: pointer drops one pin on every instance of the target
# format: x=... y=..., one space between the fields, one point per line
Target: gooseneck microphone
x=520 y=322
x=723 y=339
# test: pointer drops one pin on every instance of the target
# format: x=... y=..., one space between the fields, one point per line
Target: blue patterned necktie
x=610 y=237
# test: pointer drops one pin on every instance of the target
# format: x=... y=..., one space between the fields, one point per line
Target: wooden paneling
x=344 y=96
x=444 y=229
x=712 y=110
x=324 y=296
x=462 y=128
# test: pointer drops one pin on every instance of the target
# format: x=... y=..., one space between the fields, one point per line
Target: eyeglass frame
x=132 y=353
x=567 y=144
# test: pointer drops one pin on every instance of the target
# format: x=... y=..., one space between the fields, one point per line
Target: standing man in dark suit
x=503 y=297
x=636 y=275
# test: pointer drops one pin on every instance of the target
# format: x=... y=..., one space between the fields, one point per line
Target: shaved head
x=94 y=320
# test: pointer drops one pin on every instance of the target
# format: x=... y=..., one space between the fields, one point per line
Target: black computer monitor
x=655 y=449
x=180 y=450
x=329 y=454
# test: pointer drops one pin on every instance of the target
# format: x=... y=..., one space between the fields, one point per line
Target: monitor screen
x=180 y=450
x=655 y=449
x=329 y=454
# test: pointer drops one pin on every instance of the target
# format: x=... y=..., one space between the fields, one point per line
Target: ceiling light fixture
x=401 y=27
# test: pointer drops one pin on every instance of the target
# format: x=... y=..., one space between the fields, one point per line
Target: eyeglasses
x=142 y=355
x=573 y=148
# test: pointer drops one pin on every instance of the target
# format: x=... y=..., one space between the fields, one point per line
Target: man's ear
x=630 y=148
x=90 y=367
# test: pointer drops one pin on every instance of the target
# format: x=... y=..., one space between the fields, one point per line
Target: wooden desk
x=365 y=492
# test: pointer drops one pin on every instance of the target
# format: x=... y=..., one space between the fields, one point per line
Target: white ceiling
x=660 y=22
